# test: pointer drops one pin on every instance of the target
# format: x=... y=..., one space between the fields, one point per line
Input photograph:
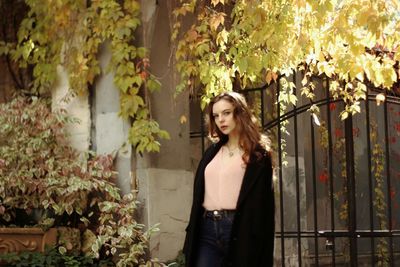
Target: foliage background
x=244 y=44
x=70 y=33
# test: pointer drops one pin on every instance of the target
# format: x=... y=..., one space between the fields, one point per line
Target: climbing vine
x=379 y=203
x=240 y=44
x=71 y=33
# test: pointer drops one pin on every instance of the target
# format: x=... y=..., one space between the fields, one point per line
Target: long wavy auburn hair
x=250 y=137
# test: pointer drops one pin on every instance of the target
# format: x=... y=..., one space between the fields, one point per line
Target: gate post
x=351 y=190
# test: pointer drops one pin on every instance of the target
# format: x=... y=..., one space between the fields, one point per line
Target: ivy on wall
x=380 y=201
x=70 y=33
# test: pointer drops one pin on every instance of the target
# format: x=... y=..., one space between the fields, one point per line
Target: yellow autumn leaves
x=350 y=41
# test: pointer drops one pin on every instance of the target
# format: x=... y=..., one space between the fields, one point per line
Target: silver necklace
x=231 y=152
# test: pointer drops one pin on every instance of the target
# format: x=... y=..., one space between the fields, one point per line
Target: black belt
x=218 y=214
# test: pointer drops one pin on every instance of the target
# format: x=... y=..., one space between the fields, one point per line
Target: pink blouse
x=223 y=179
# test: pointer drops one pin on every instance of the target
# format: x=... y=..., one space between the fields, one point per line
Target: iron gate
x=337 y=181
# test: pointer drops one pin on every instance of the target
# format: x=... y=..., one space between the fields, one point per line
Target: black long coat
x=252 y=237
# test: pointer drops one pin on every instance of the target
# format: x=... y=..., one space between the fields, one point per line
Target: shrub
x=41 y=172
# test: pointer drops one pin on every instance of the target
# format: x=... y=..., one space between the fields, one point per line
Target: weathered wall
x=77 y=107
x=165 y=179
x=100 y=129
x=109 y=131
x=166 y=109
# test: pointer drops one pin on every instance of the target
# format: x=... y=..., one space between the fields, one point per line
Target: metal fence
x=337 y=182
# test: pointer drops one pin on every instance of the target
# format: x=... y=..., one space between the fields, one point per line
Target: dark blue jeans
x=214 y=240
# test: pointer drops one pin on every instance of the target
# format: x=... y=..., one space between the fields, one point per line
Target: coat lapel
x=209 y=156
x=251 y=175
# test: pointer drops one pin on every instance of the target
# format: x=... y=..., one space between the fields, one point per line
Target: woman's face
x=222 y=112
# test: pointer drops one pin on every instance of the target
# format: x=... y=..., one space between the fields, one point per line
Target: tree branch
x=8 y=60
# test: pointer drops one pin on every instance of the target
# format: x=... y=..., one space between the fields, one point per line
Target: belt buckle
x=217 y=215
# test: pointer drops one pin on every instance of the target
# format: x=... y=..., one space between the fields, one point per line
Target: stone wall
x=77 y=107
x=165 y=179
x=109 y=131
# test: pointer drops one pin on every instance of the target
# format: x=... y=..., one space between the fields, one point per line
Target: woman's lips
x=223 y=128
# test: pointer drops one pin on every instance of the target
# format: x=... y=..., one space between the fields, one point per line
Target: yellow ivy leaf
x=344 y=115
x=216 y=2
x=192 y=35
x=389 y=77
x=380 y=98
x=183 y=119
x=292 y=99
x=216 y=20
x=222 y=37
x=397 y=55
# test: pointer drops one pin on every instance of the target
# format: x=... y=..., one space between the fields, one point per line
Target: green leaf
x=62 y=250
x=153 y=84
x=242 y=65
x=141 y=52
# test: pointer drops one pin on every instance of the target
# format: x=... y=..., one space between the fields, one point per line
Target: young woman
x=232 y=216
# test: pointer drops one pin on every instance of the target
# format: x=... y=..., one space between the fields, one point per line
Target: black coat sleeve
x=271 y=220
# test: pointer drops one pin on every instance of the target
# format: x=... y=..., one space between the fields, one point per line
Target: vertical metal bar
x=314 y=193
x=351 y=190
x=262 y=107
x=296 y=156
x=389 y=184
x=280 y=173
x=330 y=166
x=370 y=189
x=202 y=131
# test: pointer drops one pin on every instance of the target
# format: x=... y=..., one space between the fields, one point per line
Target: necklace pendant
x=231 y=153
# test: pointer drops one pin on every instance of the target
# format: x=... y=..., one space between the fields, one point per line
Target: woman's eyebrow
x=228 y=109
